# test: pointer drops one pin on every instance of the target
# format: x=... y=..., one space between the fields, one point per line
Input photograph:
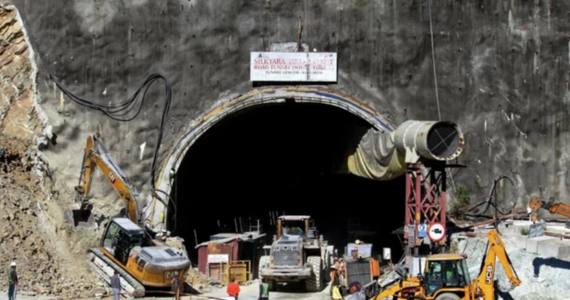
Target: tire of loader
x=315 y=283
x=447 y=296
x=264 y=260
x=272 y=285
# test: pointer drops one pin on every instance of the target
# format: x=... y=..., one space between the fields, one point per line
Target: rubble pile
x=29 y=235
x=542 y=278
x=197 y=280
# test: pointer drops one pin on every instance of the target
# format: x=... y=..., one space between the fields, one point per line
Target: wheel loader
x=297 y=254
x=143 y=260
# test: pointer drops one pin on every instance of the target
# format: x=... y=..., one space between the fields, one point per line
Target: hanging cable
x=433 y=60
x=121 y=110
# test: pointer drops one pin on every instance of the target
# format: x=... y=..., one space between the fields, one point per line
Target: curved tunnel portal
x=287 y=157
x=292 y=151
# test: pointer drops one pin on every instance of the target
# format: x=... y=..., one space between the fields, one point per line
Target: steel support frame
x=426 y=199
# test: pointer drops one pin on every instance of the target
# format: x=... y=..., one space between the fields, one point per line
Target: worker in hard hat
x=340 y=271
x=335 y=284
x=13 y=281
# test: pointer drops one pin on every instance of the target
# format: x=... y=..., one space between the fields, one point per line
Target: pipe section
x=442 y=141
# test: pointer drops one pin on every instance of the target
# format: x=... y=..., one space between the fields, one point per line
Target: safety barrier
x=240 y=270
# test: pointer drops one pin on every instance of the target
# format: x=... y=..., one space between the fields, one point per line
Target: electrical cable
x=433 y=60
x=116 y=111
x=489 y=203
x=171 y=200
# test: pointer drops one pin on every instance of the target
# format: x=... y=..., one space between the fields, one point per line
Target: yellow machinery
x=554 y=208
x=127 y=246
x=447 y=277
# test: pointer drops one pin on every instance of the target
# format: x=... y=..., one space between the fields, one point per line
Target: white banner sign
x=293 y=66
x=218 y=258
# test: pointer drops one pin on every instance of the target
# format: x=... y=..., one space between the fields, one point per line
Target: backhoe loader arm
x=96 y=155
x=403 y=288
x=486 y=278
x=554 y=208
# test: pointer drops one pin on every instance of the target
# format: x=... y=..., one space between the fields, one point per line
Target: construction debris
x=30 y=235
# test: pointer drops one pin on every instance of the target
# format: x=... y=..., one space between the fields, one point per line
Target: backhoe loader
x=446 y=277
x=143 y=261
x=554 y=208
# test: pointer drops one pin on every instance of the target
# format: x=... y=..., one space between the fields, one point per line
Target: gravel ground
x=552 y=282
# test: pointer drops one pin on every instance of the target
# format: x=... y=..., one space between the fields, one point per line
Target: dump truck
x=298 y=254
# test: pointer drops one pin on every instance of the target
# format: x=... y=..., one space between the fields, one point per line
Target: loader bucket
x=78 y=217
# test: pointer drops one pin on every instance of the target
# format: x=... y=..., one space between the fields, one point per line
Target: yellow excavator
x=141 y=258
x=554 y=208
x=446 y=277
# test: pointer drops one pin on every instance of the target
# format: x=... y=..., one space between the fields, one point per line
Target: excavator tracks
x=105 y=267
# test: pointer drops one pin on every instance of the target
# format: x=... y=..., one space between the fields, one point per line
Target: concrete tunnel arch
x=325 y=96
x=382 y=154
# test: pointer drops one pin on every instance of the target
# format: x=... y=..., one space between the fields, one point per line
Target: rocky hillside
x=31 y=231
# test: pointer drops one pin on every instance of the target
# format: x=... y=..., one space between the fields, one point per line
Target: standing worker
x=264 y=290
x=233 y=289
x=335 y=282
x=13 y=280
x=176 y=286
x=116 y=285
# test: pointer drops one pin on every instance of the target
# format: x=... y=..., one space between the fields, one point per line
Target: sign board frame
x=218 y=258
x=293 y=67
x=422 y=230
x=431 y=231
x=411 y=234
x=386 y=254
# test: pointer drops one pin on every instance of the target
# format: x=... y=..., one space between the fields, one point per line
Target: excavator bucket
x=78 y=217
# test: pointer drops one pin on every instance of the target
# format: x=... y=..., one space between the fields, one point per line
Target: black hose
x=489 y=203
x=118 y=111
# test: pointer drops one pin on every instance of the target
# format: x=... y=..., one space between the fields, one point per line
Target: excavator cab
x=121 y=236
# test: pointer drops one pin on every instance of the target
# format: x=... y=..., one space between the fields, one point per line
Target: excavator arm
x=97 y=155
x=554 y=208
x=484 y=284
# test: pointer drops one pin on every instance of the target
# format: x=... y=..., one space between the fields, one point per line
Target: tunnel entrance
x=283 y=157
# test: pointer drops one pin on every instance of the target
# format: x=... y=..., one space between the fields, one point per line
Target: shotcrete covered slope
x=502 y=70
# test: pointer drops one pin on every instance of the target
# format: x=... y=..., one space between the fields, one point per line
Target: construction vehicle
x=554 y=208
x=358 y=267
x=143 y=261
x=297 y=254
x=446 y=277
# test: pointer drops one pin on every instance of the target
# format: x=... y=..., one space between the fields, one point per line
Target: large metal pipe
x=432 y=140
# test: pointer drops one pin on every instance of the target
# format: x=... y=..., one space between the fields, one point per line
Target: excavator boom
x=554 y=208
x=97 y=156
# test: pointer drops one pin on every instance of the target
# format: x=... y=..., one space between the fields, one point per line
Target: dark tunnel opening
x=283 y=157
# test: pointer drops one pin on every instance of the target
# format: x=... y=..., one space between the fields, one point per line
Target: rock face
x=18 y=114
x=502 y=74
x=502 y=70
x=31 y=231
